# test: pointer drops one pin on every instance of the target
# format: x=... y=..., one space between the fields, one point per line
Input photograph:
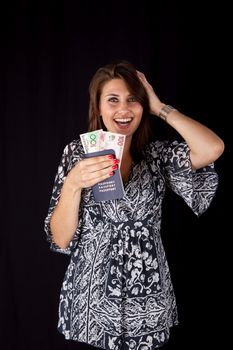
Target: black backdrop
x=49 y=52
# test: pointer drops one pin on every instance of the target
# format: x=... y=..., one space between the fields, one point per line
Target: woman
x=117 y=292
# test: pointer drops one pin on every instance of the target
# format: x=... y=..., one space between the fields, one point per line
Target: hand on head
x=155 y=103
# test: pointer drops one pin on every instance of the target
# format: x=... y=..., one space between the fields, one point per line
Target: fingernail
x=110 y=156
x=111 y=173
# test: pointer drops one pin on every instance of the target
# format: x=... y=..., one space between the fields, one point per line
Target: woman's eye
x=113 y=99
x=132 y=99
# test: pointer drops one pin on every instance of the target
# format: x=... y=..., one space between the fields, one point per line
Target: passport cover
x=112 y=187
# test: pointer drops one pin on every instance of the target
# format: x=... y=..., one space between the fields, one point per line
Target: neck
x=126 y=152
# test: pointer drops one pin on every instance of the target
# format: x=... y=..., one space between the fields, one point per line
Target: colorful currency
x=91 y=141
x=113 y=141
x=100 y=140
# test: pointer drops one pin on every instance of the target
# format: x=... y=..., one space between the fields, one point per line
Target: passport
x=112 y=187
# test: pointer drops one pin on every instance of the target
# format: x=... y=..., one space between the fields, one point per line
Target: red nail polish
x=110 y=156
x=111 y=173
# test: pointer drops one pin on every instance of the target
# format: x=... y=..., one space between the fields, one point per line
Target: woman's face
x=120 y=111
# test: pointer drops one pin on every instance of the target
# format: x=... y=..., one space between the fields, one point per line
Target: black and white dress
x=117 y=292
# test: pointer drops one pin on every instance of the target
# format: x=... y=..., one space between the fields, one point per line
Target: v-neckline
x=131 y=173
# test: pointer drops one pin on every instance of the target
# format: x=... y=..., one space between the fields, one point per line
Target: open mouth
x=123 y=121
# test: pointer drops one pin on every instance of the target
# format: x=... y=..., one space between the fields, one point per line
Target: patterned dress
x=117 y=292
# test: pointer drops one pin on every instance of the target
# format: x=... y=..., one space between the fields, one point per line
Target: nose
x=123 y=105
x=123 y=108
x=123 y=113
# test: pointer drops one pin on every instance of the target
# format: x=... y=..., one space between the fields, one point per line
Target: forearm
x=205 y=146
x=64 y=220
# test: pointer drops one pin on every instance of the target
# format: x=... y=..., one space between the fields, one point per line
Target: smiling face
x=121 y=112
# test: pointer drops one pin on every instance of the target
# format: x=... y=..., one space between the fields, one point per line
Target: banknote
x=110 y=140
x=99 y=140
x=91 y=141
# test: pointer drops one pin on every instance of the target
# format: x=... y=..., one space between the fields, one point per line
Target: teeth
x=121 y=120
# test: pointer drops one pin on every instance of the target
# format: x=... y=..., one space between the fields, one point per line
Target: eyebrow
x=111 y=94
x=115 y=95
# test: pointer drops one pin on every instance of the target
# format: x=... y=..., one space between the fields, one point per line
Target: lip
x=123 y=120
x=123 y=126
x=123 y=123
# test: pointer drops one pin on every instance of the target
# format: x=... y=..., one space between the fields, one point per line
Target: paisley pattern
x=117 y=291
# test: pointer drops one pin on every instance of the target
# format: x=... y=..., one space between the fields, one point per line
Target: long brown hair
x=127 y=72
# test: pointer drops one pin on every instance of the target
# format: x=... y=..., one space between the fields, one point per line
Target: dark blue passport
x=111 y=188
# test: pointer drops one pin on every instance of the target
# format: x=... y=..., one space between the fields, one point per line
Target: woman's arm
x=205 y=146
x=64 y=220
x=86 y=173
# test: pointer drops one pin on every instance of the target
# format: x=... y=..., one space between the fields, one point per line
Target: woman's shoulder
x=72 y=152
x=73 y=146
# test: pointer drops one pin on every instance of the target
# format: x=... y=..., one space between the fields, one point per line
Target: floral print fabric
x=117 y=292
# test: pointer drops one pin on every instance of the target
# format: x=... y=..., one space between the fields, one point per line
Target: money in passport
x=99 y=142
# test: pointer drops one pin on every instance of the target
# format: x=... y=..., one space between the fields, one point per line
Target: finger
x=98 y=177
x=140 y=74
x=98 y=159
x=99 y=165
x=101 y=178
x=92 y=173
x=106 y=165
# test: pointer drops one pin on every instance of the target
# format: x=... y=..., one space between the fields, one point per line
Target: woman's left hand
x=155 y=103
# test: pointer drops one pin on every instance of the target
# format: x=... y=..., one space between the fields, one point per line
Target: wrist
x=71 y=187
x=165 y=111
x=156 y=108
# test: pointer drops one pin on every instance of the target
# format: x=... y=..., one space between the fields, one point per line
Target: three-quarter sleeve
x=69 y=157
x=196 y=187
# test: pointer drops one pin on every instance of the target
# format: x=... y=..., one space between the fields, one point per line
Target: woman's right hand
x=90 y=171
x=154 y=101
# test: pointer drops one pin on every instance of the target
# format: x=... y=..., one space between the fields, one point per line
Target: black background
x=49 y=52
